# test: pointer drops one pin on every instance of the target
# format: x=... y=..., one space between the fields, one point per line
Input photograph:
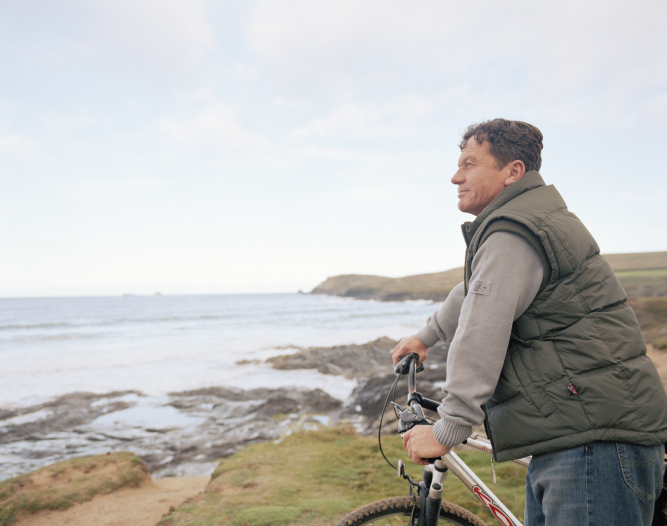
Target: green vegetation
x=318 y=477
x=644 y=282
x=434 y=286
x=61 y=485
x=637 y=261
x=652 y=316
x=642 y=274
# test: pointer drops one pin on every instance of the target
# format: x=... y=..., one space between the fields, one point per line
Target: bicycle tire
x=397 y=511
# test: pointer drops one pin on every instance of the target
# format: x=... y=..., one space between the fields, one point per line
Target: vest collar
x=529 y=181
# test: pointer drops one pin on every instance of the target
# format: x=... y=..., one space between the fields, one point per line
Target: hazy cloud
x=494 y=46
x=396 y=119
x=18 y=146
x=169 y=36
x=214 y=126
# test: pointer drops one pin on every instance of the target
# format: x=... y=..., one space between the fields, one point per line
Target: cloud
x=174 y=32
x=64 y=123
x=395 y=119
x=520 y=54
x=18 y=146
x=214 y=126
x=170 y=37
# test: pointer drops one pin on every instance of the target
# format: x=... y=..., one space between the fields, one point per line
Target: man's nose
x=457 y=178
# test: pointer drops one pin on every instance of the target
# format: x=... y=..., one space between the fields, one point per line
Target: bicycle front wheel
x=396 y=511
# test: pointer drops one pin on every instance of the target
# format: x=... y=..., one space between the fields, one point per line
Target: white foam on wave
x=183 y=343
x=162 y=378
x=264 y=376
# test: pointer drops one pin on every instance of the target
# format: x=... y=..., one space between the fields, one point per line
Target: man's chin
x=463 y=207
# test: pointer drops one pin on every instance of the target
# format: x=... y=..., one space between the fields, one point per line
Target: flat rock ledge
x=200 y=426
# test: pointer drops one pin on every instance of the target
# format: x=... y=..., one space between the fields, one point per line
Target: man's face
x=478 y=177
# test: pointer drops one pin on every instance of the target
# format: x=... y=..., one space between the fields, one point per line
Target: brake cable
x=384 y=407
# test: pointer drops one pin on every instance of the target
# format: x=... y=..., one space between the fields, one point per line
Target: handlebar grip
x=403 y=366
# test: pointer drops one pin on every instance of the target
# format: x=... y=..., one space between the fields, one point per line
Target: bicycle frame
x=478 y=488
x=452 y=462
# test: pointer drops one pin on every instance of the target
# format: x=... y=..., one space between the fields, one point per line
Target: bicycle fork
x=433 y=479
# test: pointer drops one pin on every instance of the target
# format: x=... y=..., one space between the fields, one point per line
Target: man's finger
x=406 y=439
x=396 y=354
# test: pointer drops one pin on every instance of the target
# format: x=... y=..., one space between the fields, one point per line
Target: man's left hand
x=420 y=444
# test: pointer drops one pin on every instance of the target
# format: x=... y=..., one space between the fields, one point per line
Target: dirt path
x=142 y=506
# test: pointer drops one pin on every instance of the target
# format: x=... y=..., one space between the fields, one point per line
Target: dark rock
x=224 y=419
x=351 y=361
x=66 y=412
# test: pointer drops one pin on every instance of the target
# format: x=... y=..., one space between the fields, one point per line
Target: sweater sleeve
x=442 y=325
x=506 y=276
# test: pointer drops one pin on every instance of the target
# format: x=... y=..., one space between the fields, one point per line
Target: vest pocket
x=642 y=468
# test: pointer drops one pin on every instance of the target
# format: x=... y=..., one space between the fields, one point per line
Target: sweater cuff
x=428 y=336
x=449 y=434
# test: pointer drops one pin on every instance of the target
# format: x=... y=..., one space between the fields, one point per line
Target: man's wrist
x=428 y=336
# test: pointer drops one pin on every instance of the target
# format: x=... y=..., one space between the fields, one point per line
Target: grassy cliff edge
x=642 y=275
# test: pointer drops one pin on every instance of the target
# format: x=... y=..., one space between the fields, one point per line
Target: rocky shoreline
x=183 y=433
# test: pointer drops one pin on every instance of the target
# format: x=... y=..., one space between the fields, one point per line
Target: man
x=543 y=348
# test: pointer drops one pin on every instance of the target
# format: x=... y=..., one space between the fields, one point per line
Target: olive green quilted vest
x=576 y=369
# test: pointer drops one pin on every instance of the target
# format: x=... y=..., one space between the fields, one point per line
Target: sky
x=201 y=147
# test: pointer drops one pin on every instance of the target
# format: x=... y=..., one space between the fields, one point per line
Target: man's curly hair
x=508 y=141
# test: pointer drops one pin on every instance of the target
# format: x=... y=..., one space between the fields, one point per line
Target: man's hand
x=420 y=444
x=407 y=346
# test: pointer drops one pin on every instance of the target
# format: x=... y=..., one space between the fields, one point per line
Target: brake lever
x=403 y=366
x=409 y=419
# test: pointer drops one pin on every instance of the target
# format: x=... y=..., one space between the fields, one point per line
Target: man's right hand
x=407 y=346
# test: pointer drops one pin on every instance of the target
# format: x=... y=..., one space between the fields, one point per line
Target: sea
x=160 y=344
x=136 y=350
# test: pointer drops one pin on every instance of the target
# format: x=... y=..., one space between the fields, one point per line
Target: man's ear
x=516 y=169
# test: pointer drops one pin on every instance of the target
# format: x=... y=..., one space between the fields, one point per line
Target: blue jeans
x=601 y=483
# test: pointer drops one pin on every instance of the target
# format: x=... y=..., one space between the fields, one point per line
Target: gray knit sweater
x=506 y=276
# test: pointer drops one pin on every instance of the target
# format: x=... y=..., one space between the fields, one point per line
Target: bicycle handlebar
x=403 y=366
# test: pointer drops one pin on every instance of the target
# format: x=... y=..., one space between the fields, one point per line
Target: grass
x=652 y=316
x=642 y=274
x=637 y=261
x=318 y=477
x=60 y=486
x=434 y=286
x=644 y=283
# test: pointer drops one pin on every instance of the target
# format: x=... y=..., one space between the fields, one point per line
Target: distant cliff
x=642 y=275
x=434 y=286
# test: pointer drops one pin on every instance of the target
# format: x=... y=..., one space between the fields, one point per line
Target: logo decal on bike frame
x=488 y=502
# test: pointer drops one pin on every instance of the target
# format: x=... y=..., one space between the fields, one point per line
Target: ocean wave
x=121 y=321
x=68 y=337
x=14 y=327
x=52 y=337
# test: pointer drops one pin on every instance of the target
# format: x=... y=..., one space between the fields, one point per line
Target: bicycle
x=424 y=505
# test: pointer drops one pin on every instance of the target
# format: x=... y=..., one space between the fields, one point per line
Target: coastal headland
x=642 y=275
